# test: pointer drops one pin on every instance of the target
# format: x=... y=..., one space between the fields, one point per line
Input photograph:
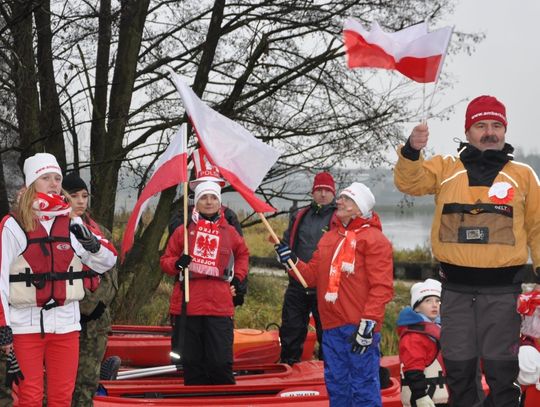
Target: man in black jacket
x=306 y=227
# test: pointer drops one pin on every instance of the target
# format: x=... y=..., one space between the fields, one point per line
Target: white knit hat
x=427 y=288
x=361 y=195
x=39 y=164
x=207 y=187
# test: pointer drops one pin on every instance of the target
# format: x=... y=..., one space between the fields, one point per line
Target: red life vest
x=434 y=371
x=48 y=269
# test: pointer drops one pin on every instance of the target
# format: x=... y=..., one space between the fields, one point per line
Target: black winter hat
x=73 y=183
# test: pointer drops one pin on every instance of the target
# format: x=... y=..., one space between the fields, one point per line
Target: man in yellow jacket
x=486 y=220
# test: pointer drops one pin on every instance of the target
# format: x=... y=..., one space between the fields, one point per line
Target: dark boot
x=109 y=368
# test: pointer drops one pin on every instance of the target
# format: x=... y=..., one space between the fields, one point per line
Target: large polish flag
x=240 y=157
x=413 y=51
x=171 y=170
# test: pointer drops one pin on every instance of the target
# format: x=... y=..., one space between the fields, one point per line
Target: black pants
x=208 y=350
x=481 y=324
x=297 y=306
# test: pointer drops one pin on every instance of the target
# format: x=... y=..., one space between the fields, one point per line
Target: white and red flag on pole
x=171 y=169
x=240 y=157
x=413 y=51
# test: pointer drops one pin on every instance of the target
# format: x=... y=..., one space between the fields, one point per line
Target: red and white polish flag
x=171 y=170
x=413 y=51
x=240 y=157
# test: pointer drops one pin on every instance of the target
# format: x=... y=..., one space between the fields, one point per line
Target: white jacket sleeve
x=529 y=365
x=12 y=244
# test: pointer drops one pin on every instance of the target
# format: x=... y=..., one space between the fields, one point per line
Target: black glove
x=96 y=313
x=240 y=288
x=284 y=253
x=363 y=337
x=183 y=261
x=88 y=241
x=13 y=371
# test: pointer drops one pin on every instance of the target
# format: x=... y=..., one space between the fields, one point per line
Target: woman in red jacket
x=208 y=338
x=352 y=269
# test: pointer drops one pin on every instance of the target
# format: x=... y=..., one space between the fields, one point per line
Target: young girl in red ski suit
x=45 y=257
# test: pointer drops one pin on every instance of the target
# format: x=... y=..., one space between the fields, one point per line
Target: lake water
x=407 y=230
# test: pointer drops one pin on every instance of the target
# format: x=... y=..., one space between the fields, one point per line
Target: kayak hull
x=146 y=346
x=277 y=384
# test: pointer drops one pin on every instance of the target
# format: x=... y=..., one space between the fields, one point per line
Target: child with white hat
x=422 y=372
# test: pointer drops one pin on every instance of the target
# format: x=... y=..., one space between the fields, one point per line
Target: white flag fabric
x=241 y=158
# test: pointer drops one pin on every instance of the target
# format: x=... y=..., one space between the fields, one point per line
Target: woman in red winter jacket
x=205 y=323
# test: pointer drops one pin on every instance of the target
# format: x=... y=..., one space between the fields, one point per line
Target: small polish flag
x=413 y=51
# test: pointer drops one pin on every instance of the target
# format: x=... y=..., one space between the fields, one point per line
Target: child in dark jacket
x=422 y=372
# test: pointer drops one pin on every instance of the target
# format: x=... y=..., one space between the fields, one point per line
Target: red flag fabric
x=171 y=169
x=240 y=157
x=413 y=51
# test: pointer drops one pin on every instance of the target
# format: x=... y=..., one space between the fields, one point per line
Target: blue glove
x=363 y=337
x=284 y=253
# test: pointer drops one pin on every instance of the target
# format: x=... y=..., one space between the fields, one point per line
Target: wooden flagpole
x=428 y=112
x=276 y=240
x=186 y=245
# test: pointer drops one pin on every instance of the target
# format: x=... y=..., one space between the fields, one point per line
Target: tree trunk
x=50 y=116
x=98 y=131
x=140 y=274
x=107 y=152
x=24 y=78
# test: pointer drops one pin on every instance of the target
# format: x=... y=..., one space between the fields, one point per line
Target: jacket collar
x=468 y=153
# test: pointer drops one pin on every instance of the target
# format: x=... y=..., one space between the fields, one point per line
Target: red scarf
x=344 y=256
x=205 y=250
x=48 y=206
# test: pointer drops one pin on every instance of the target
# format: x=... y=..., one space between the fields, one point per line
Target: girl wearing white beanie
x=45 y=256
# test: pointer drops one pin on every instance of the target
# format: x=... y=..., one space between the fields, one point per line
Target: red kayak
x=169 y=374
x=263 y=385
x=146 y=346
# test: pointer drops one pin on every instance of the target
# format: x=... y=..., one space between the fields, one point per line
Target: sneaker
x=109 y=368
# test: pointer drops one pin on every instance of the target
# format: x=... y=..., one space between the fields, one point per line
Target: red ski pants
x=59 y=354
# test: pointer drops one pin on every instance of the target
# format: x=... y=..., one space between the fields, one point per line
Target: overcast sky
x=506 y=64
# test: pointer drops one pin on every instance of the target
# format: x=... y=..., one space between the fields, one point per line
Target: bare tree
x=274 y=66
